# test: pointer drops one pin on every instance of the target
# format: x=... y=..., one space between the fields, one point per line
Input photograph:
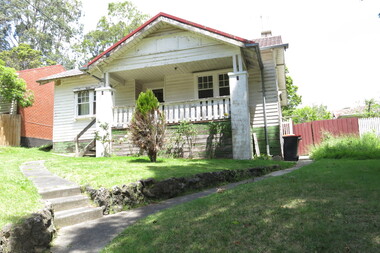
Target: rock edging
x=32 y=235
x=134 y=194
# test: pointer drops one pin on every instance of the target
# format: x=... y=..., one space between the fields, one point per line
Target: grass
x=352 y=147
x=107 y=172
x=18 y=196
x=328 y=206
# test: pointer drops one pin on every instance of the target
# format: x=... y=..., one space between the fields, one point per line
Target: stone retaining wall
x=134 y=194
x=32 y=235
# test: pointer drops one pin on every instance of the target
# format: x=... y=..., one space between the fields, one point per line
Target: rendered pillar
x=104 y=115
x=240 y=117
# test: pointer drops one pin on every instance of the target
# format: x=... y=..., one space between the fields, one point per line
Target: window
x=86 y=102
x=159 y=93
x=205 y=87
x=212 y=84
x=224 y=85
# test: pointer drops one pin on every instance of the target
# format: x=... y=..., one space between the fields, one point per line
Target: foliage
x=328 y=206
x=22 y=57
x=313 y=113
x=13 y=88
x=47 y=26
x=184 y=133
x=293 y=98
x=348 y=147
x=218 y=132
x=372 y=108
x=148 y=125
x=104 y=136
x=122 y=18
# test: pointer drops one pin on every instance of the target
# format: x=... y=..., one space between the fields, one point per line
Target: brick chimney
x=267 y=33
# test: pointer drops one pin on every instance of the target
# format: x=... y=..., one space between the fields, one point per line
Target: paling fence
x=369 y=125
x=10 y=130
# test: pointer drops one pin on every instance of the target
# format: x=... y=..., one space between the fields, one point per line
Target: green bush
x=148 y=125
x=350 y=147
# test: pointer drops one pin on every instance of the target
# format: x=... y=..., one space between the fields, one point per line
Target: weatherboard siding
x=125 y=94
x=271 y=91
x=66 y=126
x=179 y=87
x=173 y=48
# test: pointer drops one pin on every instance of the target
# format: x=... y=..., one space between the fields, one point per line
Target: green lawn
x=107 y=172
x=18 y=196
x=328 y=206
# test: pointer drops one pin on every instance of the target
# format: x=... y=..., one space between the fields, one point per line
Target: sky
x=334 y=45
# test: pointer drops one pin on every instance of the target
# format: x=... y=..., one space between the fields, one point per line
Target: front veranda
x=201 y=91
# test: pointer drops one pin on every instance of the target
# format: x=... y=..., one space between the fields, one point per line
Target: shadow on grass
x=306 y=211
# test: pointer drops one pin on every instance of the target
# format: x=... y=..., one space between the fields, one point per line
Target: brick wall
x=37 y=120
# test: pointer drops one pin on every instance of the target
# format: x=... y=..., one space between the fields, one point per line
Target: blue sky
x=334 y=45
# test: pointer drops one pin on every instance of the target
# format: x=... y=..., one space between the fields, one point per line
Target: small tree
x=13 y=88
x=313 y=113
x=148 y=125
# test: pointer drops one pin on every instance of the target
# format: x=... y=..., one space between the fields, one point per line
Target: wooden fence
x=10 y=130
x=312 y=132
x=287 y=127
x=369 y=125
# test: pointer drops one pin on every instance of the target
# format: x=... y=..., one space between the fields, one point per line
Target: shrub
x=185 y=134
x=351 y=147
x=148 y=125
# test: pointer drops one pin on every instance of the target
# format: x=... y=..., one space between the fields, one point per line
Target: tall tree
x=13 y=88
x=22 y=57
x=122 y=18
x=293 y=98
x=47 y=25
x=310 y=113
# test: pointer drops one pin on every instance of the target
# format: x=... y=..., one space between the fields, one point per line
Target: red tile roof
x=269 y=41
x=161 y=14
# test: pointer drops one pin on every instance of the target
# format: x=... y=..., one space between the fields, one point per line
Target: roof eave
x=163 y=17
x=45 y=81
x=286 y=46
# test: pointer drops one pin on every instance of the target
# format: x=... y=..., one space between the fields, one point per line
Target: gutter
x=261 y=65
x=286 y=46
x=85 y=70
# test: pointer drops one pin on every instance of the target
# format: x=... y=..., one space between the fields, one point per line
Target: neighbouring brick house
x=37 y=120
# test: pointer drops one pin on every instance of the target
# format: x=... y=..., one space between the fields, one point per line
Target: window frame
x=91 y=103
x=215 y=77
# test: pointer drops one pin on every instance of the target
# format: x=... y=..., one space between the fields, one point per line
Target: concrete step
x=60 y=192
x=71 y=202
x=77 y=215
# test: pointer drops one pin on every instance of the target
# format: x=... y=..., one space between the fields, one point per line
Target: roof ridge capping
x=165 y=15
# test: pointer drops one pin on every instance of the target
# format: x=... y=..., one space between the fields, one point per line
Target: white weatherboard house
x=198 y=74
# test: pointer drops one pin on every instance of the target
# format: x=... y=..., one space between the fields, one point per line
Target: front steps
x=77 y=215
x=69 y=205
